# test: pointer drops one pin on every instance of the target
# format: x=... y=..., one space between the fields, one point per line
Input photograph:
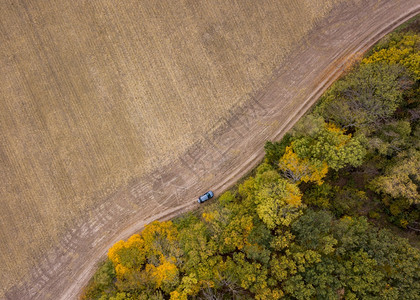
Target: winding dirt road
x=224 y=155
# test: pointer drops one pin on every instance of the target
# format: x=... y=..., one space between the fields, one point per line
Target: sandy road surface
x=220 y=158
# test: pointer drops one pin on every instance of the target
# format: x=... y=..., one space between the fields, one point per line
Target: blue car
x=205 y=197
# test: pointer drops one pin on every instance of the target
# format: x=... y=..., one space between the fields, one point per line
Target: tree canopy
x=297 y=228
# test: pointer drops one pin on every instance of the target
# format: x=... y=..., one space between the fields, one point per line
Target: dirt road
x=219 y=159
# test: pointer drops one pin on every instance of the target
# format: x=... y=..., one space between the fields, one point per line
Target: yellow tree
x=403 y=50
x=149 y=258
x=127 y=256
x=302 y=169
x=165 y=275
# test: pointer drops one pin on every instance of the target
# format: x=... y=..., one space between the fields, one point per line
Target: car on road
x=205 y=197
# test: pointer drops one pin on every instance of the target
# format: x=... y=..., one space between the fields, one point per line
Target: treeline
x=297 y=228
x=379 y=104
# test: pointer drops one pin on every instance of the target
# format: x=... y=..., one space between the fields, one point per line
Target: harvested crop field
x=95 y=94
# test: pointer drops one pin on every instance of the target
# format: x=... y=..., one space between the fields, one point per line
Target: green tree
x=393 y=137
x=102 y=283
x=275 y=150
x=347 y=201
x=332 y=146
x=121 y=296
x=313 y=230
x=308 y=125
x=105 y=275
x=320 y=195
x=365 y=97
x=360 y=262
x=402 y=178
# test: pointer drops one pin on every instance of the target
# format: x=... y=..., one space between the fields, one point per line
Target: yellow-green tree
x=278 y=200
x=404 y=50
x=330 y=146
x=302 y=169
x=401 y=179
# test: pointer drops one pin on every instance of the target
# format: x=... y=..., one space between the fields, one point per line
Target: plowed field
x=117 y=113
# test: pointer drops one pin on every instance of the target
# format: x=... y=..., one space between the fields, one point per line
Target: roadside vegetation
x=308 y=222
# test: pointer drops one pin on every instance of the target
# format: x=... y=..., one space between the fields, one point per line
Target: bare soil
x=221 y=156
x=95 y=94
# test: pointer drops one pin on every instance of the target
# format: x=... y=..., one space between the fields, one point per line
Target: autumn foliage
x=293 y=228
